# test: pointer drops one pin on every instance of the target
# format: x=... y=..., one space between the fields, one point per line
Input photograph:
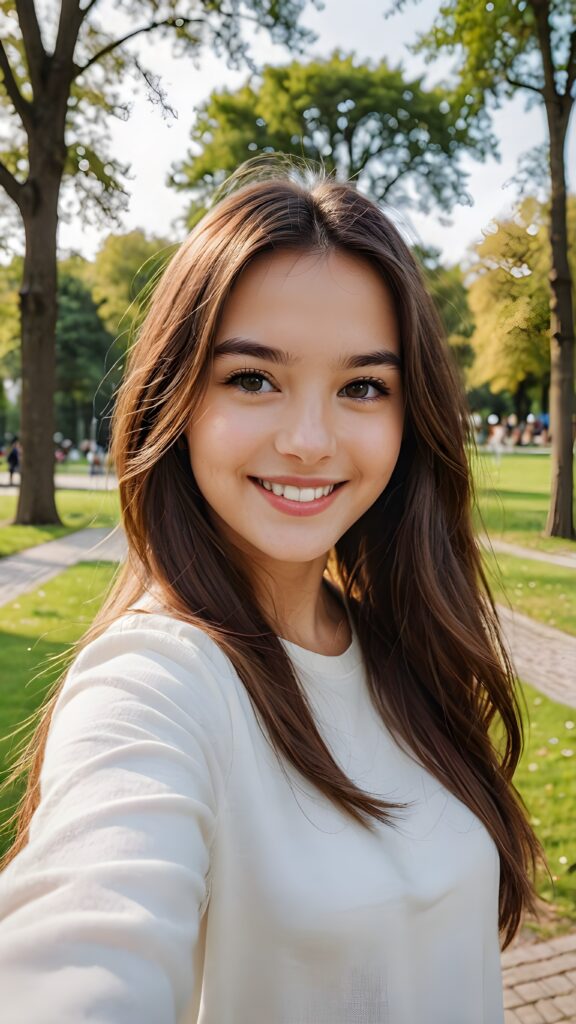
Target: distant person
x=95 y=460
x=496 y=438
x=268 y=789
x=13 y=459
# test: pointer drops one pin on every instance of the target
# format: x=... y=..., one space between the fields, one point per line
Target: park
x=71 y=313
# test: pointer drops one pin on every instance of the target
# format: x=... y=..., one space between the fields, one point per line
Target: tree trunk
x=560 y=518
x=522 y=399
x=38 y=307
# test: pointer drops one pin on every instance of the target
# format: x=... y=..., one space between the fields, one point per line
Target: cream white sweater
x=176 y=874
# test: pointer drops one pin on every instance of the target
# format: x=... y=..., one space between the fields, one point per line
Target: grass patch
x=546 y=780
x=542 y=591
x=77 y=510
x=37 y=630
x=81 y=468
x=513 y=499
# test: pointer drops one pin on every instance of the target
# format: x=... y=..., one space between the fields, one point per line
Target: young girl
x=270 y=789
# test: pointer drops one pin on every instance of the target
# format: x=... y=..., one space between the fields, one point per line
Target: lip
x=299 y=481
x=296 y=508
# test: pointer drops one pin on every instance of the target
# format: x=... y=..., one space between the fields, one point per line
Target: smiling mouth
x=299 y=495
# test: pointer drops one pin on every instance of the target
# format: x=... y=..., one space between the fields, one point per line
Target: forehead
x=302 y=299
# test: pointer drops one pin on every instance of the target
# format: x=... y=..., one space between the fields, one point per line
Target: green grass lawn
x=513 y=499
x=81 y=467
x=37 y=630
x=77 y=509
x=40 y=627
x=546 y=780
x=542 y=591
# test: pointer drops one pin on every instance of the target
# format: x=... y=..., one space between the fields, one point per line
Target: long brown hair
x=409 y=570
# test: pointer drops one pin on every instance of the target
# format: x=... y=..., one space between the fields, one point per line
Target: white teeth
x=305 y=495
x=297 y=493
x=292 y=493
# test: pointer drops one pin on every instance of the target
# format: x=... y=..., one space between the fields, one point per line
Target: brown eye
x=360 y=390
x=249 y=382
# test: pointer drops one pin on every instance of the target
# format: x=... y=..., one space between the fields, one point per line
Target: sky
x=151 y=144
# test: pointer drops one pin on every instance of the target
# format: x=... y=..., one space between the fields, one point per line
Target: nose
x=307 y=432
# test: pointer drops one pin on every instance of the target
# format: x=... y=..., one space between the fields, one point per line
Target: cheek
x=378 y=445
x=222 y=438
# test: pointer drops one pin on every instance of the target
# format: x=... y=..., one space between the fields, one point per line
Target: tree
x=10 y=276
x=123 y=275
x=530 y=45
x=360 y=120
x=447 y=288
x=510 y=300
x=58 y=97
x=85 y=371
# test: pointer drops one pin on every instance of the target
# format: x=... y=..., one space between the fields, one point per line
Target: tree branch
x=71 y=18
x=169 y=22
x=11 y=185
x=86 y=10
x=32 y=39
x=21 y=105
x=523 y=85
x=541 y=10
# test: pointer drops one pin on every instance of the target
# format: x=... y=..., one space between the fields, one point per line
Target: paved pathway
x=540 y=981
x=567 y=560
x=542 y=656
x=28 y=569
x=67 y=482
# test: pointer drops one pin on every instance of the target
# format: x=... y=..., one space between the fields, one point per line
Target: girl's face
x=305 y=394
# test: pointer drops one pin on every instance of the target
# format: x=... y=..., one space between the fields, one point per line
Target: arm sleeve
x=100 y=913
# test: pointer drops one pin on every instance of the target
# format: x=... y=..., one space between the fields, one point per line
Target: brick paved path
x=542 y=656
x=540 y=982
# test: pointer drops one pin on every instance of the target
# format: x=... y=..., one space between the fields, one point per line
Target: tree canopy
x=502 y=47
x=73 y=62
x=121 y=277
x=509 y=298
x=448 y=289
x=85 y=371
x=368 y=121
x=65 y=69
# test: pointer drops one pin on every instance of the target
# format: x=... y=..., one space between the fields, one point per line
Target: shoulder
x=154 y=638
x=150 y=669
x=155 y=630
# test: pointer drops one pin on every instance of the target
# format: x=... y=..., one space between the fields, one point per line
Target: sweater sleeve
x=100 y=913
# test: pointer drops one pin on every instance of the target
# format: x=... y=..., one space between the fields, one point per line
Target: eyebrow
x=255 y=349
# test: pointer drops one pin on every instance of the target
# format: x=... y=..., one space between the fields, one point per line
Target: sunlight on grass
x=513 y=500
x=37 y=632
x=546 y=780
x=78 y=509
x=542 y=591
